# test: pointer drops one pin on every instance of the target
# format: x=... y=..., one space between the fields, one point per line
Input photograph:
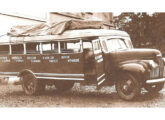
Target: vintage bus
x=89 y=56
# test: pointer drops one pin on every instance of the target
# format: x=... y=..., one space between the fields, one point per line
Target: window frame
x=60 y=50
x=96 y=51
x=11 y=50
x=117 y=40
x=40 y=47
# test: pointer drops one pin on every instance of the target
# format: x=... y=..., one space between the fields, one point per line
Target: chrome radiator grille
x=158 y=71
x=161 y=66
x=155 y=73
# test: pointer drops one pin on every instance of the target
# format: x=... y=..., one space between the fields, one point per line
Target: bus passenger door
x=99 y=62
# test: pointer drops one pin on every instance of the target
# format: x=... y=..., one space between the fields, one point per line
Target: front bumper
x=160 y=80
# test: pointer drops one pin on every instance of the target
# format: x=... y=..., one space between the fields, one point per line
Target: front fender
x=133 y=67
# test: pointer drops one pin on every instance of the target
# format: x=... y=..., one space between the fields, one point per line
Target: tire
x=30 y=84
x=64 y=85
x=154 y=88
x=127 y=86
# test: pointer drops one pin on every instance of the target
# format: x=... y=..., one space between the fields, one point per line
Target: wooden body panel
x=45 y=63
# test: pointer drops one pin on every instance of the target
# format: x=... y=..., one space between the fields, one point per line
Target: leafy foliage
x=145 y=30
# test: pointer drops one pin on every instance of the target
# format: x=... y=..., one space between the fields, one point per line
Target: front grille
x=155 y=73
x=161 y=66
x=158 y=71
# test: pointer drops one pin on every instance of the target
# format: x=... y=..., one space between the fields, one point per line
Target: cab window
x=116 y=44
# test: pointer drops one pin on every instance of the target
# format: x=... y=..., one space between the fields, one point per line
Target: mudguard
x=133 y=67
x=26 y=71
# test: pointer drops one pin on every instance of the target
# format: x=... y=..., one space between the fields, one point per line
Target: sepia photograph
x=78 y=60
x=82 y=59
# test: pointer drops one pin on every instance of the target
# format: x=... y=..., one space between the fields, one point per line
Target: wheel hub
x=127 y=86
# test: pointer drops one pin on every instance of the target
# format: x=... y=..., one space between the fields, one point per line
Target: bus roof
x=70 y=35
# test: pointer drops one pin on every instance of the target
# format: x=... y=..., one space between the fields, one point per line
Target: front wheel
x=127 y=86
x=154 y=88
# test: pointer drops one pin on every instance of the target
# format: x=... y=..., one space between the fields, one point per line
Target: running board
x=58 y=78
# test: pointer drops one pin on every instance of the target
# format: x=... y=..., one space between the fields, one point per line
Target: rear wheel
x=64 y=85
x=154 y=88
x=30 y=84
x=127 y=86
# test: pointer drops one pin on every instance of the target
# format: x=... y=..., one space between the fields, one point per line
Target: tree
x=137 y=25
x=159 y=29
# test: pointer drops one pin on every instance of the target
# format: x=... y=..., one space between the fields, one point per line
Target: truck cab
x=131 y=69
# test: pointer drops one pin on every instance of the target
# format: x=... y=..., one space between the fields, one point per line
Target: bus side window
x=51 y=47
x=55 y=47
x=70 y=47
x=46 y=48
x=32 y=48
x=4 y=49
x=17 y=49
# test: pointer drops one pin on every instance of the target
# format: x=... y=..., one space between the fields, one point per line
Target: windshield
x=116 y=44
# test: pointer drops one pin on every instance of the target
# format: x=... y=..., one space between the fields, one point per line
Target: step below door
x=99 y=62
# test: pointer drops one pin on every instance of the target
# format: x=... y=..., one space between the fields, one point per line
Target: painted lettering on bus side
x=100 y=60
x=73 y=60
x=19 y=60
x=35 y=61
x=65 y=57
x=16 y=57
x=98 y=57
x=53 y=61
x=3 y=58
x=31 y=57
x=48 y=57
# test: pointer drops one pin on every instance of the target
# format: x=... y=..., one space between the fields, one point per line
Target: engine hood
x=134 y=54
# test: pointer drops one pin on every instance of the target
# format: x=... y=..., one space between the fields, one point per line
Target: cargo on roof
x=63 y=31
x=54 y=28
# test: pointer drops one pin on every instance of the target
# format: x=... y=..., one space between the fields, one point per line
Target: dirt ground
x=79 y=96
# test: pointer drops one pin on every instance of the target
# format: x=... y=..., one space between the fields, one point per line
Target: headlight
x=163 y=60
x=153 y=64
x=159 y=55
